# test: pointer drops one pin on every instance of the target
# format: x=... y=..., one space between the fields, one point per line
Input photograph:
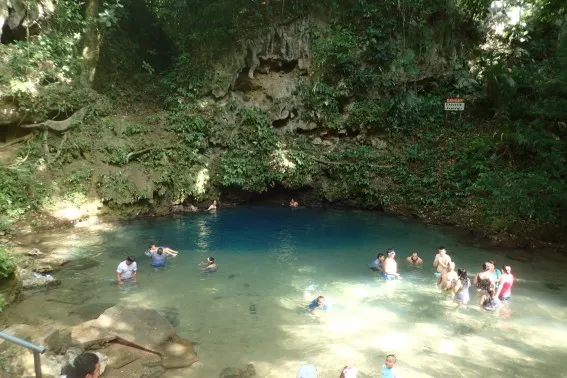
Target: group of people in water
x=494 y=284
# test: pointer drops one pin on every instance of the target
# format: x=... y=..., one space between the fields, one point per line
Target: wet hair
x=485 y=266
x=463 y=276
x=415 y=253
x=493 y=263
x=82 y=365
x=389 y=250
x=211 y=260
x=130 y=258
x=440 y=248
x=159 y=251
x=380 y=255
x=391 y=355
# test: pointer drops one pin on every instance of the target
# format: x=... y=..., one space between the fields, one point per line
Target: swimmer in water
x=496 y=273
x=504 y=291
x=447 y=278
x=159 y=259
x=126 y=271
x=318 y=304
x=442 y=260
x=348 y=372
x=210 y=266
x=389 y=368
x=168 y=251
x=461 y=287
x=293 y=203
x=489 y=301
x=485 y=279
x=414 y=259
x=390 y=266
x=213 y=206
x=377 y=265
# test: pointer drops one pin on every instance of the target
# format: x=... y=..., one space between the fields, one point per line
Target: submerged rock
x=230 y=372
x=32 y=280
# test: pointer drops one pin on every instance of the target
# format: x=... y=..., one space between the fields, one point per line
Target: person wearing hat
x=390 y=266
x=126 y=271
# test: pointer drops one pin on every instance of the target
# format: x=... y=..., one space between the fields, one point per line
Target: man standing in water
x=414 y=259
x=442 y=260
x=448 y=277
x=390 y=265
x=126 y=271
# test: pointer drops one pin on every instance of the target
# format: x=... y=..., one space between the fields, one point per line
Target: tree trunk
x=91 y=41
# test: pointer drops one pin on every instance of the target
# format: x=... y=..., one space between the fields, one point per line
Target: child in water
x=389 y=370
x=210 y=266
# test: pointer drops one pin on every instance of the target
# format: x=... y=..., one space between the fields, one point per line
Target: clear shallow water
x=267 y=258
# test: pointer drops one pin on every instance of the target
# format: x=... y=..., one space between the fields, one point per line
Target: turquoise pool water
x=253 y=310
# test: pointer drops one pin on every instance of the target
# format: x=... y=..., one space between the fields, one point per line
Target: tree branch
x=64 y=125
x=145 y=151
x=17 y=140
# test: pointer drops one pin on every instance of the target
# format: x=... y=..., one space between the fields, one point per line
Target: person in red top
x=506 y=281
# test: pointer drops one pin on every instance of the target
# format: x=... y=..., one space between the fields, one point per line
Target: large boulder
x=140 y=328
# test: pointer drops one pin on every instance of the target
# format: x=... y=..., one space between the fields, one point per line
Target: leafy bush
x=20 y=192
x=7 y=264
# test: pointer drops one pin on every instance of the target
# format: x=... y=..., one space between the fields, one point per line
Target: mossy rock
x=11 y=288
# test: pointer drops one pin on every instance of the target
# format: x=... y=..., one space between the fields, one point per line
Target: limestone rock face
x=283 y=45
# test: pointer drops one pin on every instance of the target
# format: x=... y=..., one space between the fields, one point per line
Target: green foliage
x=368 y=116
x=7 y=264
x=20 y=193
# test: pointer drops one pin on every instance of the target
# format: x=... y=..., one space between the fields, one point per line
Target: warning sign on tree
x=455 y=104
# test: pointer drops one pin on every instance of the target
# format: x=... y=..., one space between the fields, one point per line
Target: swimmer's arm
x=118 y=280
x=498 y=291
x=134 y=276
x=457 y=286
x=436 y=261
x=419 y=260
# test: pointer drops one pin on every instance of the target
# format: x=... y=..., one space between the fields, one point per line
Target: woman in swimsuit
x=461 y=287
x=489 y=301
x=485 y=279
x=506 y=281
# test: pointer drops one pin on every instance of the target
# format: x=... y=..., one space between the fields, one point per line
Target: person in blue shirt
x=318 y=303
x=376 y=265
x=159 y=259
x=389 y=369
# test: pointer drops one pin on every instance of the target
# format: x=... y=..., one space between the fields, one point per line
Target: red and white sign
x=455 y=104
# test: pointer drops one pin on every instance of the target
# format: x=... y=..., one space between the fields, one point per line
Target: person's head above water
x=506 y=269
x=462 y=273
x=390 y=361
x=380 y=257
x=442 y=250
x=485 y=266
x=320 y=300
x=414 y=254
x=210 y=260
x=391 y=252
x=160 y=251
x=130 y=260
x=152 y=245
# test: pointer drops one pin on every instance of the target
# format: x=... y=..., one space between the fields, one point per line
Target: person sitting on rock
x=153 y=249
x=126 y=271
x=85 y=365
x=293 y=203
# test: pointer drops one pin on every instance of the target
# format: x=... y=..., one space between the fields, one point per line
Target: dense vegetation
x=379 y=75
